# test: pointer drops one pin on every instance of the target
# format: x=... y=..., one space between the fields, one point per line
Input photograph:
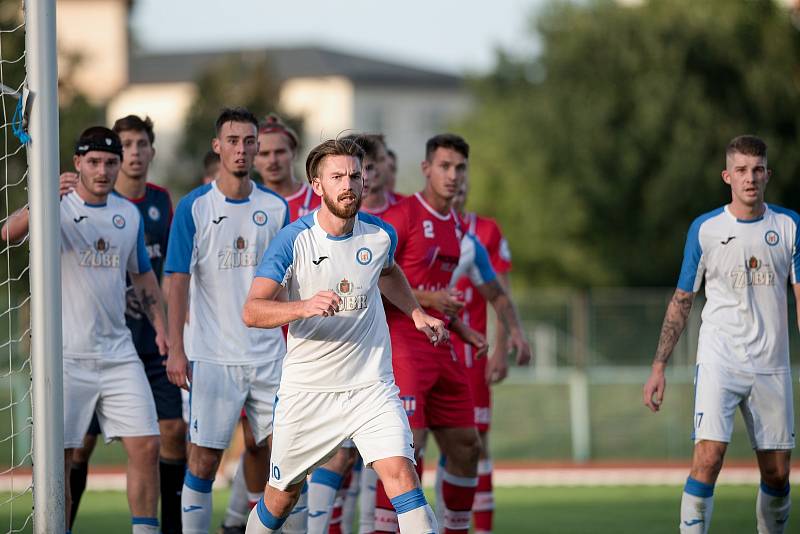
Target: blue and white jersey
x=746 y=265
x=474 y=262
x=352 y=349
x=99 y=244
x=219 y=242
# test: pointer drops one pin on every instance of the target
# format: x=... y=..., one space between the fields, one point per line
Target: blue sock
x=144 y=525
x=413 y=512
x=196 y=504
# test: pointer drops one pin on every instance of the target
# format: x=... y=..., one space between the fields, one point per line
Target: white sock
x=350 y=498
x=321 y=494
x=697 y=504
x=297 y=522
x=772 y=509
x=196 y=504
x=144 y=525
x=366 y=501
x=238 y=507
x=437 y=488
x=414 y=514
x=261 y=521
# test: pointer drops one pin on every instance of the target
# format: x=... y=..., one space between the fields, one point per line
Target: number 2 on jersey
x=427 y=229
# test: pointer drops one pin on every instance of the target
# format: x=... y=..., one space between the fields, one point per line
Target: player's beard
x=241 y=174
x=342 y=212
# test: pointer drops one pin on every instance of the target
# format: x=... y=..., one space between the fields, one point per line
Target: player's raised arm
x=16 y=226
x=394 y=286
x=671 y=330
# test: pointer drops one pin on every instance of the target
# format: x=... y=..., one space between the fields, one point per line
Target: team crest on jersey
x=364 y=256
x=350 y=302
x=154 y=213
x=101 y=254
x=772 y=238
x=409 y=404
x=259 y=218
x=237 y=255
x=345 y=287
x=755 y=273
x=118 y=221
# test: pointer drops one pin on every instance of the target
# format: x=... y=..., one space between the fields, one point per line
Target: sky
x=449 y=35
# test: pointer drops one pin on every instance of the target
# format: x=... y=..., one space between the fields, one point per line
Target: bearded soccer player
x=155 y=208
x=277 y=149
x=748 y=252
x=483 y=372
x=324 y=275
x=102 y=239
x=219 y=233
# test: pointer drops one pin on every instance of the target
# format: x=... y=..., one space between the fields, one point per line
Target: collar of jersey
x=348 y=235
x=235 y=200
x=747 y=221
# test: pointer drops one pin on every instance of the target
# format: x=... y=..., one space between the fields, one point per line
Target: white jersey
x=746 y=265
x=352 y=349
x=219 y=242
x=99 y=244
x=473 y=262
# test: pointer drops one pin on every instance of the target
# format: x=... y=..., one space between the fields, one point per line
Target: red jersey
x=428 y=249
x=488 y=233
x=391 y=200
x=303 y=202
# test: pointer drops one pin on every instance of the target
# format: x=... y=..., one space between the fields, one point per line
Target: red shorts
x=434 y=385
x=481 y=394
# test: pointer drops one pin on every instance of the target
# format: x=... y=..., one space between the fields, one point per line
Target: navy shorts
x=167 y=396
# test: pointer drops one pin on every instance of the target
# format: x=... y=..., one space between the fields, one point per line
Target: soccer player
x=482 y=371
x=102 y=239
x=277 y=149
x=746 y=251
x=219 y=233
x=324 y=276
x=155 y=209
x=377 y=198
x=391 y=177
x=210 y=167
x=434 y=386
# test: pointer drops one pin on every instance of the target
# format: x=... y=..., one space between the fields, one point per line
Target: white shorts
x=311 y=425
x=118 y=391
x=218 y=394
x=765 y=401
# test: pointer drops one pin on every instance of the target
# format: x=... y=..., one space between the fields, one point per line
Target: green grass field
x=559 y=510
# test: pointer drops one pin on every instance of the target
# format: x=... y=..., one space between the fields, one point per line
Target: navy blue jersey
x=156 y=210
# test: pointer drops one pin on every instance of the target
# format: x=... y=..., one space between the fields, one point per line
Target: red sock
x=335 y=524
x=458 y=494
x=385 y=515
x=483 y=505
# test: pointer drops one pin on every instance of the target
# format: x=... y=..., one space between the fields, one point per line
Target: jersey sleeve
x=181 y=238
x=693 y=267
x=396 y=218
x=278 y=259
x=481 y=271
x=139 y=261
x=498 y=249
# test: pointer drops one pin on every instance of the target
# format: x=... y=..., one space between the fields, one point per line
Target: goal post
x=45 y=267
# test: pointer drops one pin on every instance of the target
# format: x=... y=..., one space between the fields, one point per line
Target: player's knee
x=203 y=462
x=149 y=449
x=707 y=461
x=776 y=475
x=173 y=438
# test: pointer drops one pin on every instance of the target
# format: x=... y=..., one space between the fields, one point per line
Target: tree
x=597 y=153
x=237 y=80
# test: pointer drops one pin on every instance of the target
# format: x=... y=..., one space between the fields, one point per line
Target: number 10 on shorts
x=275 y=470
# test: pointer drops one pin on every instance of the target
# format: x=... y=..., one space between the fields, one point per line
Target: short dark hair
x=239 y=114
x=749 y=145
x=448 y=140
x=368 y=142
x=332 y=147
x=391 y=153
x=134 y=123
x=209 y=159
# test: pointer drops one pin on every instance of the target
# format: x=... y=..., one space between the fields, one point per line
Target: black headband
x=100 y=144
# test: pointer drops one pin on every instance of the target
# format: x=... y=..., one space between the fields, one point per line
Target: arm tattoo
x=148 y=302
x=674 y=323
